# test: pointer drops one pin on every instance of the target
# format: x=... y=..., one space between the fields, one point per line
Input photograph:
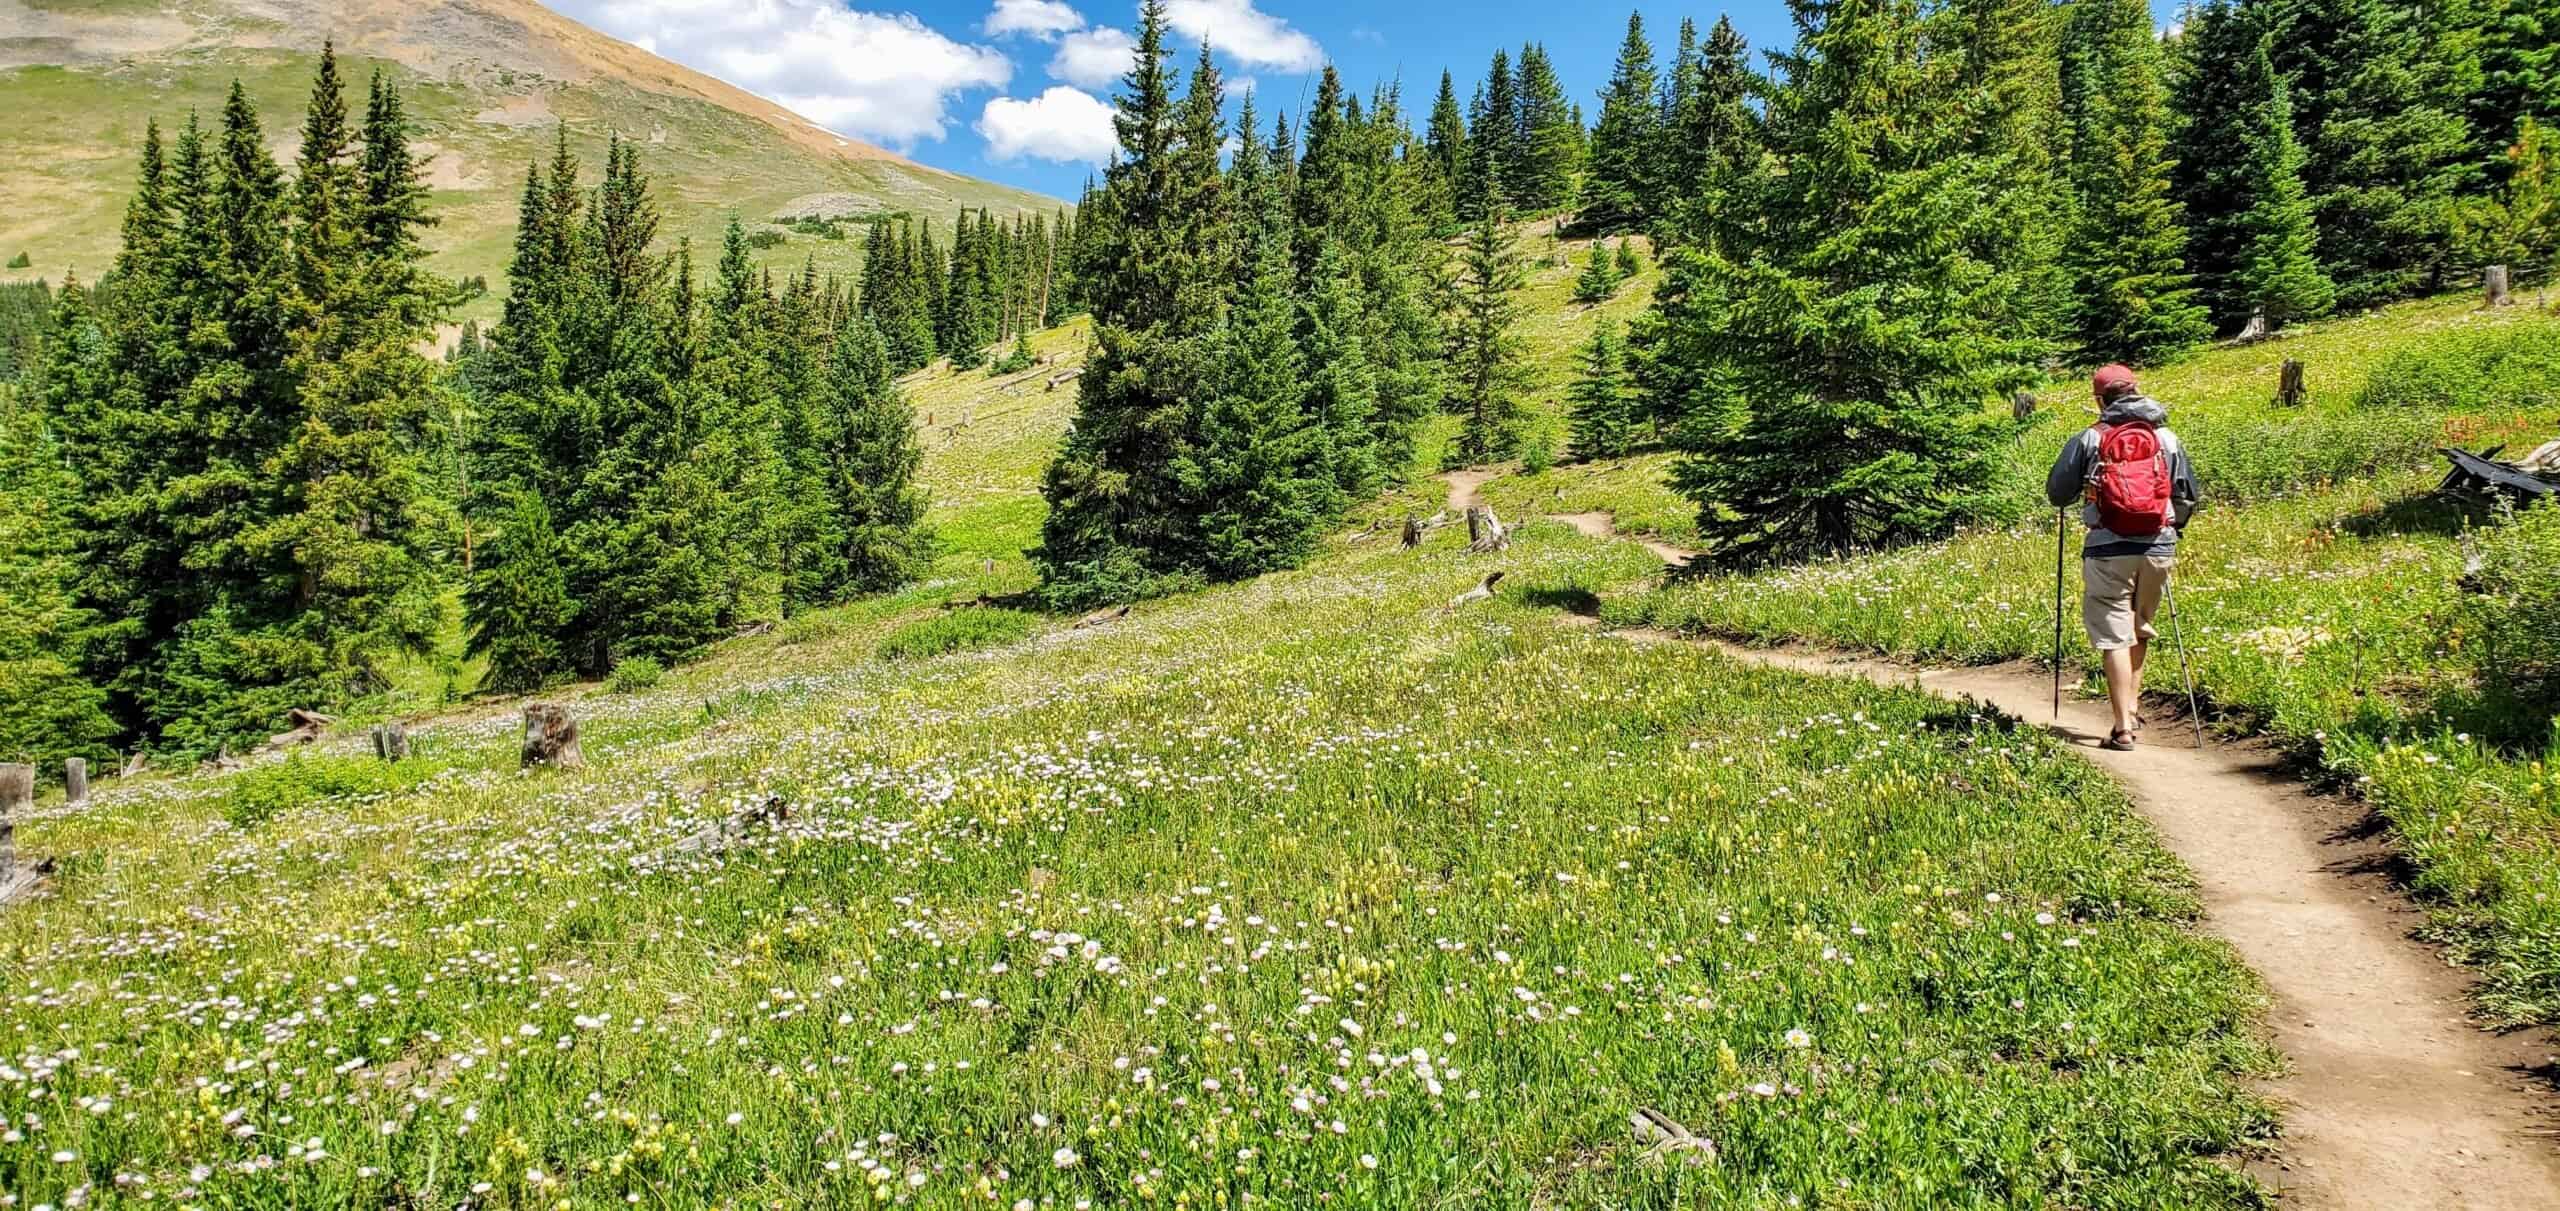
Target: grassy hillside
x=489 y=82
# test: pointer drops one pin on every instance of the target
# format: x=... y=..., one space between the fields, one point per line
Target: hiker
x=2135 y=488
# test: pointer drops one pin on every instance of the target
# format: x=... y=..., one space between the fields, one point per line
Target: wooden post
x=75 y=779
x=551 y=737
x=2289 y=388
x=2499 y=295
x=17 y=795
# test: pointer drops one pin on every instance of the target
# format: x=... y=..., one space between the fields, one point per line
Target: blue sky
x=1019 y=91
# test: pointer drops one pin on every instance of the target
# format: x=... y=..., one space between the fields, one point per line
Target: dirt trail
x=2395 y=1100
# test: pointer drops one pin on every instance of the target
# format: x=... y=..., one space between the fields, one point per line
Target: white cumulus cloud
x=1093 y=58
x=1068 y=125
x=1042 y=19
x=884 y=76
x=1245 y=33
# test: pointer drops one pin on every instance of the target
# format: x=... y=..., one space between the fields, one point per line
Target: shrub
x=21 y=261
x=767 y=238
x=267 y=791
x=956 y=631
x=1537 y=453
x=810 y=628
x=1019 y=358
x=2516 y=600
x=2510 y=365
x=635 y=674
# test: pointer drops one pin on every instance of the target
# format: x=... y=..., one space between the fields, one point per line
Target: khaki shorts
x=2118 y=596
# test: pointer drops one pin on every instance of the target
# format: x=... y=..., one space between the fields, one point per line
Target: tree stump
x=1485 y=533
x=17 y=796
x=2289 y=388
x=1412 y=533
x=391 y=741
x=2022 y=405
x=2258 y=329
x=2497 y=286
x=551 y=737
x=75 y=780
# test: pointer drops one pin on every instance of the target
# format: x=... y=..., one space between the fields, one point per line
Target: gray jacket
x=2078 y=464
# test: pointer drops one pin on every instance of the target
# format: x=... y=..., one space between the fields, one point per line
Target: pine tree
x=1675 y=161
x=1549 y=143
x=1863 y=325
x=2520 y=62
x=1341 y=396
x=1619 y=192
x=49 y=709
x=1493 y=139
x=2519 y=226
x=2279 y=273
x=2134 y=300
x=1603 y=415
x=1484 y=354
x=1630 y=262
x=1120 y=523
x=870 y=469
x=1599 y=278
x=2214 y=106
x=1444 y=160
x=1709 y=164
x=517 y=607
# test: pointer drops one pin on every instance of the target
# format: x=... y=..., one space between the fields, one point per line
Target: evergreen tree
x=1341 y=397
x=2214 y=105
x=1484 y=354
x=870 y=468
x=1444 y=160
x=2135 y=301
x=1862 y=324
x=517 y=606
x=2520 y=61
x=1709 y=163
x=1549 y=142
x=1603 y=415
x=2519 y=226
x=1493 y=139
x=1599 y=278
x=1630 y=262
x=1620 y=191
x=49 y=709
x=2279 y=273
x=1120 y=523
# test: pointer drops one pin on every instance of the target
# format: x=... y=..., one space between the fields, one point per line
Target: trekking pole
x=2195 y=714
x=2060 y=536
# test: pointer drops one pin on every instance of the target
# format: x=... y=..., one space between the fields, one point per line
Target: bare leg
x=2141 y=656
x=2124 y=684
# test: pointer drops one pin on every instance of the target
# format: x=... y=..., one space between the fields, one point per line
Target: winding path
x=2395 y=1099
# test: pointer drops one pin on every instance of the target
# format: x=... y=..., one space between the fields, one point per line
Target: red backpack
x=2131 y=488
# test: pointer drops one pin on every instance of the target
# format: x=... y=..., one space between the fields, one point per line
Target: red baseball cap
x=2111 y=381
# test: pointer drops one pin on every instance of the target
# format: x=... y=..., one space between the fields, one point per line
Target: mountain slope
x=488 y=80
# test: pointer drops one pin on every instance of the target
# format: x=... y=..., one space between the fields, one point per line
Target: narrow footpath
x=2394 y=1098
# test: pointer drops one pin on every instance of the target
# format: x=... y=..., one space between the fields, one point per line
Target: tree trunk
x=2289 y=387
x=551 y=737
x=2499 y=295
x=75 y=780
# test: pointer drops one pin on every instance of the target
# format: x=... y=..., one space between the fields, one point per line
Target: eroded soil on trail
x=2395 y=1098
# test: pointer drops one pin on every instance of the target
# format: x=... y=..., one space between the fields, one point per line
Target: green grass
x=958 y=631
x=2322 y=609
x=1304 y=889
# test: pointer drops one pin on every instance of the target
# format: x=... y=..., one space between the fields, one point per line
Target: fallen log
x=1664 y=1139
x=1102 y=617
x=1482 y=592
x=1064 y=376
x=725 y=832
x=308 y=726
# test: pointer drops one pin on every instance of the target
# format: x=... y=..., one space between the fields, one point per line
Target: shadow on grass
x=2435 y=514
x=1572 y=599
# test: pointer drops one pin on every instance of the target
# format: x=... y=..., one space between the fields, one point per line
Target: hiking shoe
x=2121 y=742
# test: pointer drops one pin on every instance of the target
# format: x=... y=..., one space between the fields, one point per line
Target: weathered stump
x=2257 y=329
x=551 y=737
x=17 y=796
x=2497 y=287
x=1412 y=533
x=2022 y=405
x=75 y=779
x=1485 y=533
x=2289 y=387
x=391 y=741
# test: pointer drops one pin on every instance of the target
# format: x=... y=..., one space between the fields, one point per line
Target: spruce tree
x=1444 y=160
x=1620 y=190
x=517 y=606
x=1599 y=277
x=1603 y=416
x=2520 y=64
x=1340 y=384
x=2279 y=273
x=2519 y=225
x=49 y=708
x=872 y=457
x=1493 y=137
x=1549 y=142
x=1710 y=158
x=2214 y=105
x=1834 y=369
x=2127 y=254
x=1484 y=353
x=1120 y=523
